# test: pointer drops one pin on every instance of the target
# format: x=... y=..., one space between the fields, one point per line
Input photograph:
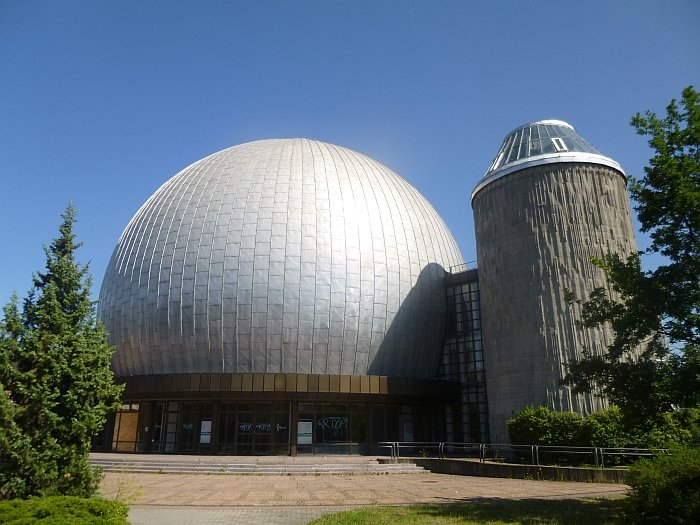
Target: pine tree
x=54 y=368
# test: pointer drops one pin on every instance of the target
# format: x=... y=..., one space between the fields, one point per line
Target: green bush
x=689 y=419
x=665 y=489
x=63 y=510
x=544 y=426
x=604 y=428
x=672 y=429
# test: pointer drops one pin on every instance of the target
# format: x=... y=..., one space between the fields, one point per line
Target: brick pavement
x=196 y=498
x=140 y=515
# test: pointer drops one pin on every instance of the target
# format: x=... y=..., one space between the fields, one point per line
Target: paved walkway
x=201 y=499
x=139 y=515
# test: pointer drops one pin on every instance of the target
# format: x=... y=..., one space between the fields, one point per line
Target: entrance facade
x=250 y=423
x=224 y=428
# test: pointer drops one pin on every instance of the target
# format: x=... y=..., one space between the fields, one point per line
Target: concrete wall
x=463 y=467
x=536 y=230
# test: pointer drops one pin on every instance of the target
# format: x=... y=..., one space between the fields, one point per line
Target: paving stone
x=173 y=499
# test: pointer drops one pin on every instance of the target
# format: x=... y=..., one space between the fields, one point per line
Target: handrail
x=480 y=450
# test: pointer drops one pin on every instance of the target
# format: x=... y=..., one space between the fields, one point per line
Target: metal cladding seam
x=284 y=255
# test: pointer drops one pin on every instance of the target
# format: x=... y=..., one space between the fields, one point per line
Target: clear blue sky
x=103 y=101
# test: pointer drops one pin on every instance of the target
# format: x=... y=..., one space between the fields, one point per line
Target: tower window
x=559 y=144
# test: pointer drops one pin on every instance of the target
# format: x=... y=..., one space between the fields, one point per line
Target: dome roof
x=287 y=255
x=542 y=142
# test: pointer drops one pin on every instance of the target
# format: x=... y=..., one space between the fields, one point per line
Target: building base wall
x=303 y=414
x=461 y=467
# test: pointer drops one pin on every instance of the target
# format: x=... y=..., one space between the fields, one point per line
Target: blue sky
x=103 y=101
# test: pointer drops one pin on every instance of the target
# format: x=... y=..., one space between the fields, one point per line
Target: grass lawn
x=63 y=510
x=565 y=512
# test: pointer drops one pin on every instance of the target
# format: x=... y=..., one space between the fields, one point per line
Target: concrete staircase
x=250 y=465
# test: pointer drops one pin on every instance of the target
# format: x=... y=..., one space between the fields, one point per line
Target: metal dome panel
x=276 y=256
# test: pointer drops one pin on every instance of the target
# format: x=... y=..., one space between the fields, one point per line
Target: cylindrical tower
x=547 y=204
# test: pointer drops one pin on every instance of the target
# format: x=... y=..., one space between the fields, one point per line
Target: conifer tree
x=55 y=375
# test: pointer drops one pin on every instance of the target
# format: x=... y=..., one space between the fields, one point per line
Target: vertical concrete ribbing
x=536 y=230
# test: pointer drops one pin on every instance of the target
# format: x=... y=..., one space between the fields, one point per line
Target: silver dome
x=286 y=255
x=542 y=142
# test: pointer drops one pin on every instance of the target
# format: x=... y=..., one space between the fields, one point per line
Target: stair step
x=264 y=467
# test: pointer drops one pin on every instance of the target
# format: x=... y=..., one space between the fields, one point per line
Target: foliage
x=55 y=378
x=574 y=512
x=68 y=510
x=544 y=426
x=604 y=428
x=665 y=489
x=653 y=363
x=677 y=428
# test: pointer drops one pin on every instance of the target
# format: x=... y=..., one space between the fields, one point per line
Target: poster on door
x=305 y=432
x=205 y=432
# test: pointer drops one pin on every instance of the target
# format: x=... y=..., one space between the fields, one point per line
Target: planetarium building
x=292 y=296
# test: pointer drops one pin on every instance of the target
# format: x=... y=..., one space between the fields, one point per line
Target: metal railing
x=463 y=267
x=537 y=454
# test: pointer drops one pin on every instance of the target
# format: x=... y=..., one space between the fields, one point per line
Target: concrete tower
x=547 y=204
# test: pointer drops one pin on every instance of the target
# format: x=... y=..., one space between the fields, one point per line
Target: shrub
x=544 y=426
x=605 y=428
x=531 y=426
x=665 y=489
x=673 y=429
x=689 y=418
x=63 y=510
x=567 y=429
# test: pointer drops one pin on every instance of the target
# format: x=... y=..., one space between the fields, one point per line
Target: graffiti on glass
x=332 y=422
x=258 y=427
